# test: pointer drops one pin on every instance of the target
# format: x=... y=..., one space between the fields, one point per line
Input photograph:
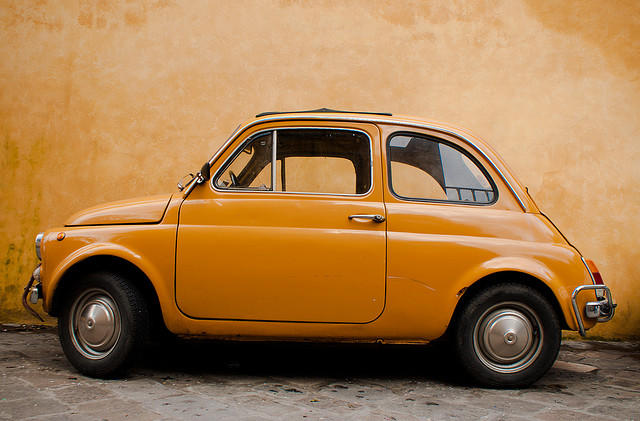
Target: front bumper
x=601 y=310
x=34 y=292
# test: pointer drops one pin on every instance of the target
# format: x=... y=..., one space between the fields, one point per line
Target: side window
x=316 y=174
x=250 y=168
x=323 y=161
x=330 y=161
x=426 y=168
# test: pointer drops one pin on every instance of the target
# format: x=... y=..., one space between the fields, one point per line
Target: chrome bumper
x=601 y=310
x=34 y=292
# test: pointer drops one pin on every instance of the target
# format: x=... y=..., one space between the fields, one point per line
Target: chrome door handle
x=374 y=218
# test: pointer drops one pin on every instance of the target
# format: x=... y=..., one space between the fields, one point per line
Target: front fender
x=124 y=242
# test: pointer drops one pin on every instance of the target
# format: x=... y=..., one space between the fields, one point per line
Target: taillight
x=597 y=278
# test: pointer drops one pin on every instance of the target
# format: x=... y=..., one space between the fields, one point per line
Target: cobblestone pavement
x=199 y=379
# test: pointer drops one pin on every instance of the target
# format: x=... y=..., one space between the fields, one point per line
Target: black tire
x=103 y=325
x=507 y=336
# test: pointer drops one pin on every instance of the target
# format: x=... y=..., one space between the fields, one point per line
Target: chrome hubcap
x=507 y=337
x=95 y=324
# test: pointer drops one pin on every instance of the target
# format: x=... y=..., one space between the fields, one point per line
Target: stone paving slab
x=201 y=380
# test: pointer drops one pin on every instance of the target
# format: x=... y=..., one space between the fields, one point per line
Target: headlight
x=38 y=244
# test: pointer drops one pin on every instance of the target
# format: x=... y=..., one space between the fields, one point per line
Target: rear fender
x=561 y=285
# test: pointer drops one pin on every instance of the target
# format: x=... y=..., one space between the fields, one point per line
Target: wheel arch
x=114 y=264
x=509 y=276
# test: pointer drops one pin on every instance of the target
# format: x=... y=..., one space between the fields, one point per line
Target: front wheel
x=103 y=324
x=507 y=336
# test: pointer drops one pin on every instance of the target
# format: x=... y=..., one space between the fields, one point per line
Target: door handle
x=374 y=218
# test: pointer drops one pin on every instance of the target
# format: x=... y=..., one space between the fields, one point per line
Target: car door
x=448 y=212
x=290 y=228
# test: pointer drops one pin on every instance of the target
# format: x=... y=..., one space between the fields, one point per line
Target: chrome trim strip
x=226 y=163
x=274 y=154
x=241 y=128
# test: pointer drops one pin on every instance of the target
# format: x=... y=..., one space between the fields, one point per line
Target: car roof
x=363 y=116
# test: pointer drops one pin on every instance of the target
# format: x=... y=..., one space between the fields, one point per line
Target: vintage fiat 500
x=327 y=225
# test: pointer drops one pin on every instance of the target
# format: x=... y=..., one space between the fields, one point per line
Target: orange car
x=326 y=225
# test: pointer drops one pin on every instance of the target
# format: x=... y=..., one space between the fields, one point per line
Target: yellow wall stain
x=613 y=27
x=104 y=100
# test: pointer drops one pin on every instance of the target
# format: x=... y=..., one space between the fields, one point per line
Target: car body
x=328 y=226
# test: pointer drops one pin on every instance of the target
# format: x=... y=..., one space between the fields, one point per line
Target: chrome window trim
x=274 y=154
x=274 y=173
x=242 y=128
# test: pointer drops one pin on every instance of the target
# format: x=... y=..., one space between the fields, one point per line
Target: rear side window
x=425 y=168
x=305 y=160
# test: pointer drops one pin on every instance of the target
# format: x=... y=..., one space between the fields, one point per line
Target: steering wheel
x=234 y=179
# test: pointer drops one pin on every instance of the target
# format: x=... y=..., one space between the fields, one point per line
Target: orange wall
x=102 y=100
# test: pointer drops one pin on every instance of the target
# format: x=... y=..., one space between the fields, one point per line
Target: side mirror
x=205 y=172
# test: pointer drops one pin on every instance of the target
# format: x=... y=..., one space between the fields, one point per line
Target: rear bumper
x=601 y=311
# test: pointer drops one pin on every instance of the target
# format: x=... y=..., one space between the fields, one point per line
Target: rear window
x=426 y=168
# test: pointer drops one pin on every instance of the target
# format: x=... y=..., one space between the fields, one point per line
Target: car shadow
x=432 y=362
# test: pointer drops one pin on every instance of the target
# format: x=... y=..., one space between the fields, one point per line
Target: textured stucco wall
x=102 y=100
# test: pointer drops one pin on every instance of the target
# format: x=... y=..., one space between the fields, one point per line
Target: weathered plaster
x=103 y=100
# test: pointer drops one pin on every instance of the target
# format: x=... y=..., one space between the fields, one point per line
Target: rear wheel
x=507 y=336
x=103 y=324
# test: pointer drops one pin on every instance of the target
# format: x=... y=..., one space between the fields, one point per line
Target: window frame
x=460 y=149
x=227 y=162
